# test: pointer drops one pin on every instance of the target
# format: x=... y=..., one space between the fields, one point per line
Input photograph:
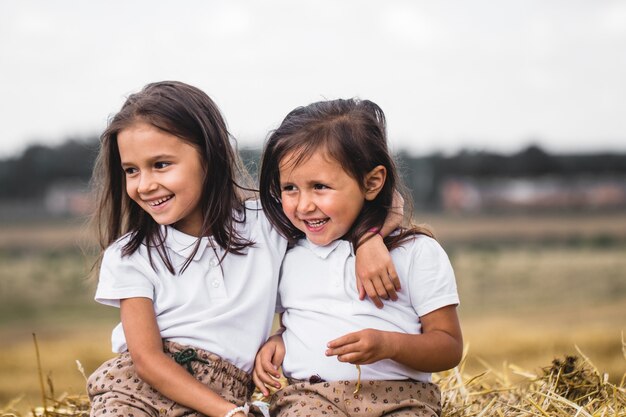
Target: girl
x=326 y=180
x=191 y=264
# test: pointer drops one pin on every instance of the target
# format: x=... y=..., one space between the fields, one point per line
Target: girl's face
x=163 y=175
x=319 y=197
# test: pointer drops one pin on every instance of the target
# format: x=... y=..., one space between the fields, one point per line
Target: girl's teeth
x=159 y=201
x=317 y=223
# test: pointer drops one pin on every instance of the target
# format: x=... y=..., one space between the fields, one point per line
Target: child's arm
x=376 y=274
x=268 y=360
x=438 y=348
x=159 y=370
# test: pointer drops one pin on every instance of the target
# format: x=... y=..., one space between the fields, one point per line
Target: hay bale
x=570 y=386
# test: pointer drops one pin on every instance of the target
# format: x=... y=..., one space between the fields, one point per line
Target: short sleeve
x=123 y=277
x=432 y=283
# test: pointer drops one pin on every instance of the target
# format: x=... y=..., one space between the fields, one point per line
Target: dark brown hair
x=189 y=114
x=353 y=132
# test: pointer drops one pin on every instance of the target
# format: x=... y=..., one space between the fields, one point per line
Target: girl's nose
x=146 y=184
x=305 y=204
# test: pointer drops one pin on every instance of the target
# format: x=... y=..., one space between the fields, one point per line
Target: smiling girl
x=326 y=180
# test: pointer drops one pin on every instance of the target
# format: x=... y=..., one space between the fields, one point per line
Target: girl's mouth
x=160 y=201
x=315 y=224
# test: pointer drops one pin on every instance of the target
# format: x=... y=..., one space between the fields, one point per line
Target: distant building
x=69 y=198
x=586 y=192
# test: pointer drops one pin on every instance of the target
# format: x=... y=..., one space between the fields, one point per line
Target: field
x=532 y=289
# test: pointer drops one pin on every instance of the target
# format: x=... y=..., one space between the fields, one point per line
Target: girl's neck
x=188 y=228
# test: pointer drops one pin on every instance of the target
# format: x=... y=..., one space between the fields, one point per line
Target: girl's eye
x=161 y=164
x=130 y=170
x=287 y=188
x=319 y=187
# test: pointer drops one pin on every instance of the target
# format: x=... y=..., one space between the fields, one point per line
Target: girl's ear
x=374 y=182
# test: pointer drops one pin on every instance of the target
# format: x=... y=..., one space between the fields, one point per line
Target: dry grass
x=571 y=386
x=524 y=303
x=46 y=235
x=534 y=338
x=60 y=351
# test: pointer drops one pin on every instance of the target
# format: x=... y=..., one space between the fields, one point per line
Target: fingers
x=349 y=358
x=264 y=375
x=350 y=353
x=259 y=384
x=372 y=293
x=360 y=289
x=390 y=282
x=390 y=288
x=346 y=339
x=262 y=384
x=342 y=352
x=378 y=287
x=266 y=364
x=393 y=276
x=279 y=356
x=385 y=285
x=358 y=348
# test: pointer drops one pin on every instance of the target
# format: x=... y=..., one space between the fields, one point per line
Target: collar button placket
x=215 y=279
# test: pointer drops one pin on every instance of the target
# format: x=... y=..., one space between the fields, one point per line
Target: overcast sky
x=454 y=74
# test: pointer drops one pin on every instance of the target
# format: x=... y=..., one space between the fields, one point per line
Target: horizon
x=397 y=151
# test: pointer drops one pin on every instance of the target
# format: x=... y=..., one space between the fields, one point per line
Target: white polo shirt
x=226 y=310
x=318 y=294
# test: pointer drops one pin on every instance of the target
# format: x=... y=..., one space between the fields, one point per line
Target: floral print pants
x=374 y=398
x=115 y=390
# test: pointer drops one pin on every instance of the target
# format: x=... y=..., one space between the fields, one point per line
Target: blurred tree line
x=29 y=176
x=425 y=175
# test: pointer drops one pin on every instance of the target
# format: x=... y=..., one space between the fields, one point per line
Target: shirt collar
x=184 y=244
x=324 y=251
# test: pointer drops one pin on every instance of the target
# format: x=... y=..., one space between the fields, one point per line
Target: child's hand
x=361 y=348
x=376 y=274
x=268 y=360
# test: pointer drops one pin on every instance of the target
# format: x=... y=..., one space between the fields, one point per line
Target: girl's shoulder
x=426 y=272
x=259 y=226
x=415 y=241
x=253 y=213
x=118 y=245
x=253 y=206
x=117 y=257
x=420 y=248
x=249 y=210
x=116 y=250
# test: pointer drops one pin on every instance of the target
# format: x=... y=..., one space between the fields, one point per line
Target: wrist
x=241 y=409
x=374 y=231
x=369 y=234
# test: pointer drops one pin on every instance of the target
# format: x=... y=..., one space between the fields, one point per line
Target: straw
x=569 y=386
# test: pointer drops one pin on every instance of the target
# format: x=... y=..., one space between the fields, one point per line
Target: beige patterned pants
x=375 y=398
x=115 y=390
